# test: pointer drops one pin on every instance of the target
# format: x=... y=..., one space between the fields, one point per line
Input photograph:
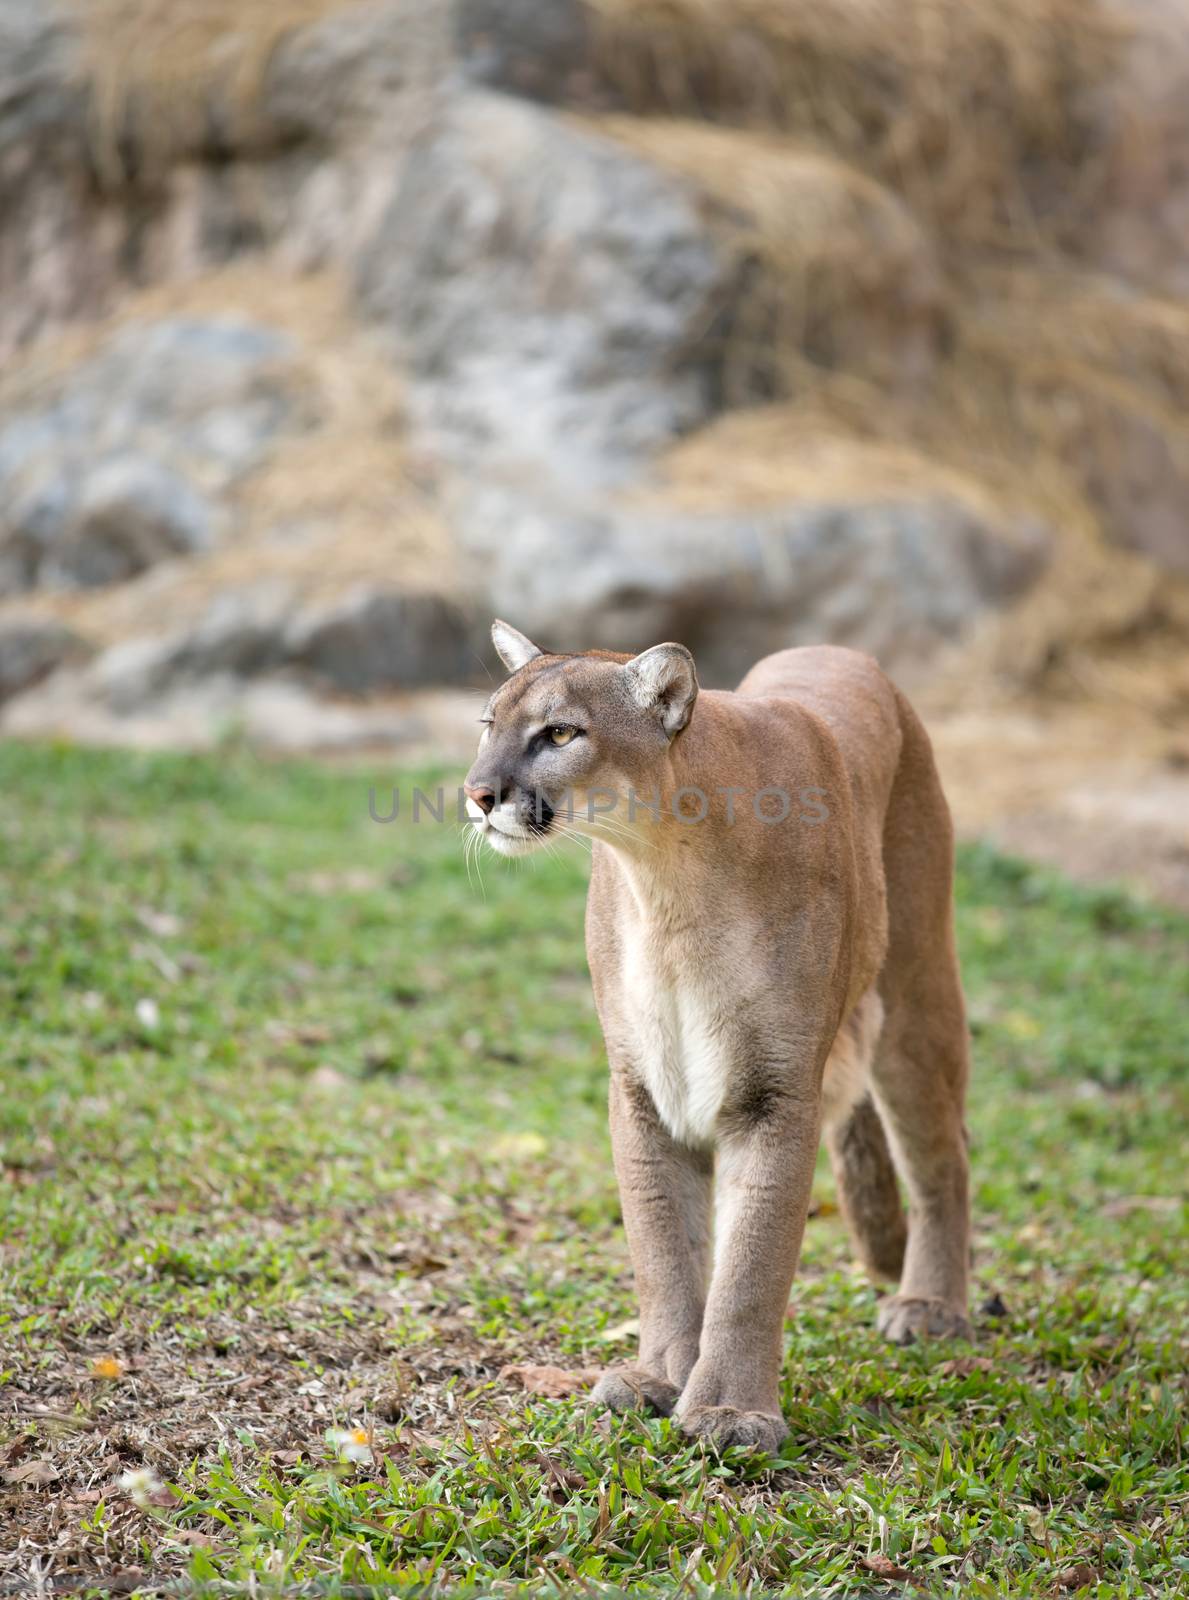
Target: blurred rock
x=896 y=576
x=215 y=391
x=562 y=299
x=100 y=523
x=268 y=714
x=212 y=393
x=550 y=290
x=121 y=164
x=376 y=640
x=1140 y=226
x=131 y=512
x=40 y=80
x=833 y=271
x=370 y=641
x=31 y=648
x=1137 y=473
x=352 y=73
x=537 y=48
x=120 y=468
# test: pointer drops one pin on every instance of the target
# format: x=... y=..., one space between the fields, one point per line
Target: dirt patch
x=1100 y=792
x=256 y=1390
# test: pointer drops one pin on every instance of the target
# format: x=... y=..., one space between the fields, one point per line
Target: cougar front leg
x=766 y=1157
x=664 y=1191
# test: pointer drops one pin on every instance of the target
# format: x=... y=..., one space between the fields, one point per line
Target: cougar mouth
x=505 y=833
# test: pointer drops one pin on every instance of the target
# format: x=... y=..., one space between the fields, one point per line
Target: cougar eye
x=562 y=733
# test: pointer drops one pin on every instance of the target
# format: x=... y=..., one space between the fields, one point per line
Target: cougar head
x=575 y=743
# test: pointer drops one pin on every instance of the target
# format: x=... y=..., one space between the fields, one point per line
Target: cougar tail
x=863 y=1172
x=867 y=1191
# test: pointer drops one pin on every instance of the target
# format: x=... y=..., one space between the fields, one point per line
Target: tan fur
x=756 y=981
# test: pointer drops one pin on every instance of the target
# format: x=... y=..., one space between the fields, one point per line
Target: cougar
x=770 y=934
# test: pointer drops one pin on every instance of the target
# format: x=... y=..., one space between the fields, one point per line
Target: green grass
x=307 y=1130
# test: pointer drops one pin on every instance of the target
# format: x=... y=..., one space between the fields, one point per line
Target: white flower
x=140 y=1485
x=353 y=1444
x=148 y=1013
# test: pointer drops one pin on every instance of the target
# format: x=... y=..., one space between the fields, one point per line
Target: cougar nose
x=484 y=798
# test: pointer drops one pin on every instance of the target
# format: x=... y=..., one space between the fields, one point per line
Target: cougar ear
x=662 y=680
x=513 y=649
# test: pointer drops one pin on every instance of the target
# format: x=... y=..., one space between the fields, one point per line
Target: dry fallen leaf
x=329 y=1078
x=519 y=1146
x=193 y=1536
x=1125 y=1205
x=162 y=923
x=563 y=1477
x=555 y=1383
x=621 y=1330
x=878 y=1406
x=35 y=1474
x=884 y=1567
x=297 y=1033
x=963 y=1366
x=1077 y=1577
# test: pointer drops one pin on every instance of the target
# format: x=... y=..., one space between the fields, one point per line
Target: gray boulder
x=211 y=392
x=537 y=48
x=373 y=640
x=370 y=641
x=352 y=73
x=124 y=461
x=83 y=524
x=550 y=290
x=100 y=190
x=897 y=576
x=1139 y=225
x=39 y=82
x=131 y=512
x=32 y=647
x=1137 y=473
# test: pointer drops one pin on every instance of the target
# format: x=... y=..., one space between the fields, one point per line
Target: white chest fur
x=678 y=1024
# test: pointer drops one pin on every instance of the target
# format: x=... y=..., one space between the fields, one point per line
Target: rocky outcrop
x=31 y=648
x=897 y=574
x=569 y=237
x=540 y=51
x=122 y=466
x=550 y=290
x=121 y=165
x=1140 y=227
x=369 y=642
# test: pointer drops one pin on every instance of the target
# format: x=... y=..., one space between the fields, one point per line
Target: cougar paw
x=902 y=1320
x=723 y=1426
x=633 y=1389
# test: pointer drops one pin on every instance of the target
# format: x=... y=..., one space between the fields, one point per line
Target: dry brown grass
x=847 y=145
x=836 y=267
x=771 y=454
x=954 y=101
x=156 y=62
x=1102 y=624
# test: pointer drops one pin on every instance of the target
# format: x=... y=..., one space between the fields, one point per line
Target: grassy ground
x=302 y=1131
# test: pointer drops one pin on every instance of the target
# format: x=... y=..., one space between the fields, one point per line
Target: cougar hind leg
x=922 y=1064
x=864 y=1175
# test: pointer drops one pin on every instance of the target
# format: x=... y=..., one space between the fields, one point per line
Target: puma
x=764 y=971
